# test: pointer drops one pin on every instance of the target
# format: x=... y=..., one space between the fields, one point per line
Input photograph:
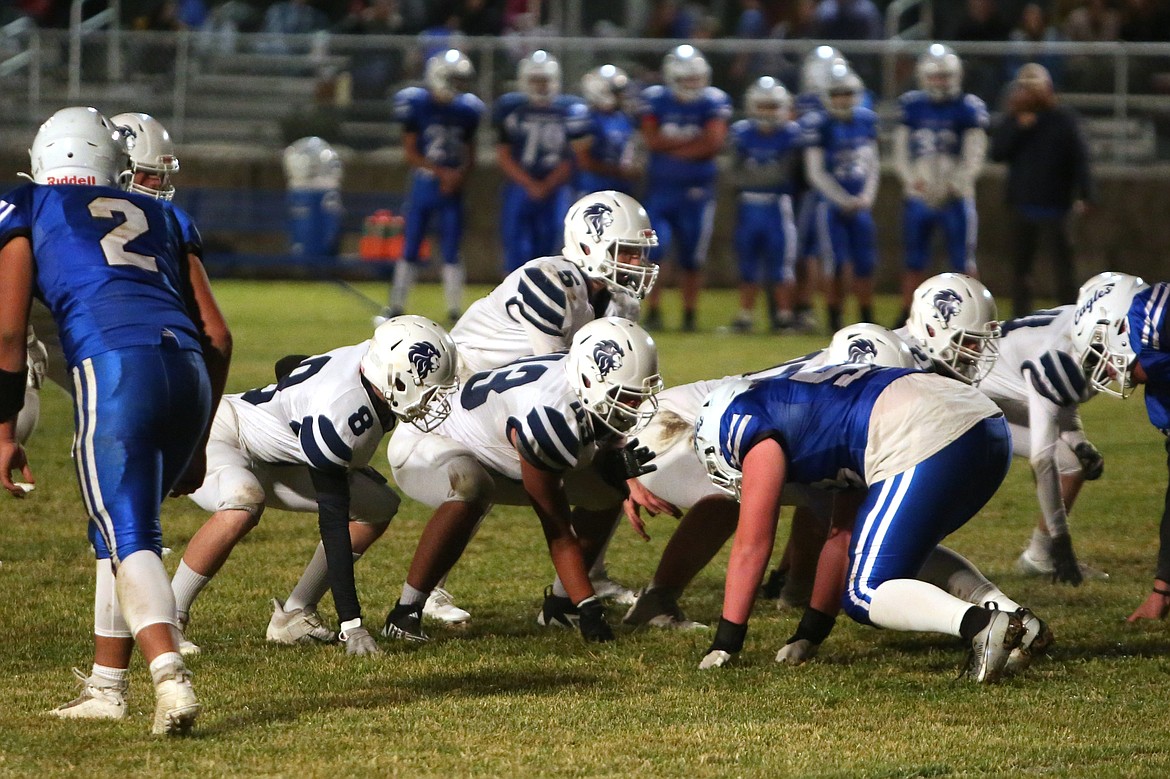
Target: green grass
x=503 y=697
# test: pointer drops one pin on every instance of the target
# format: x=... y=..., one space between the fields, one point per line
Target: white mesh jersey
x=320 y=415
x=537 y=309
x=532 y=398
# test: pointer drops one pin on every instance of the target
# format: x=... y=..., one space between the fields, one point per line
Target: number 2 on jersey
x=114 y=242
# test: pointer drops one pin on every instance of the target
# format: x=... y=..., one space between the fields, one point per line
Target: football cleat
x=405 y=623
x=187 y=647
x=797 y=652
x=442 y=607
x=658 y=609
x=98 y=700
x=607 y=589
x=991 y=647
x=175 y=706
x=1029 y=565
x=557 y=611
x=1036 y=642
x=299 y=626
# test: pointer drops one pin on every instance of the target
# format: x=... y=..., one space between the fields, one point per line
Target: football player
x=439 y=123
x=531 y=432
x=132 y=312
x=605 y=152
x=535 y=128
x=841 y=162
x=304 y=444
x=1119 y=332
x=939 y=146
x=684 y=124
x=766 y=145
x=603 y=270
x=755 y=437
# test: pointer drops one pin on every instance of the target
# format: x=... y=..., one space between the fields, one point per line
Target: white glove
x=358 y=641
x=716 y=658
x=798 y=652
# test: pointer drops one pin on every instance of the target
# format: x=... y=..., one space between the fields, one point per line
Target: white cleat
x=441 y=606
x=187 y=647
x=658 y=609
x=991 y=647
x=175 y=706
x=98 y=700
x=299 y=626
x=1029 y=565
x=607 y=589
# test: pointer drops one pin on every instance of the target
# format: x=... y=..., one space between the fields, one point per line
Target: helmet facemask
x=969 y=355
x=1108 y=370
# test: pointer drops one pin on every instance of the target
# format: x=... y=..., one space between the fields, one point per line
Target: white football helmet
x=604 y=87
x=540 y=77
x=842 y=91
x=940 y=73
x=870 y=344
x=1101 y=335
x=768 y=102
x=412 y=362
x=613 y=368
x=151 y=151
x=78 y=145
x=311 y=163
x=600 y=229
x=707 y=443
x=953 y=318
x=448 y=75
x=814 y=71
x=686 y=73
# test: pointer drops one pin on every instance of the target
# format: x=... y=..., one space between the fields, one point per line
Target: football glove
x=797 y=652
x=592 y=624
x=358 y=641
x=1067 y=569
x=1092 y=461
x=716 y=658
x=629 y=462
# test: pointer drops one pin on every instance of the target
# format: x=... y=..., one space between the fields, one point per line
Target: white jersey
x=321 y=415
x=531 y=398
x=537 y=309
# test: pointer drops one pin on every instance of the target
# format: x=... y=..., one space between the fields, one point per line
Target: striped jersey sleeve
x=547 y=439
x=541 y=300
x=1057 y=376
x=323 y=446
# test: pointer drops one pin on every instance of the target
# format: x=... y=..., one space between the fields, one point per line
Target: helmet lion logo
x=598 y=217
x=948 y=304
x=424 y=357
x=862 y=350
x=608 y=356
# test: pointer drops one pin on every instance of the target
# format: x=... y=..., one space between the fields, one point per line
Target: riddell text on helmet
x=71 y=180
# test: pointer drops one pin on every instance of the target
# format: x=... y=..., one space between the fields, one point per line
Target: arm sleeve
x=814 y=164
x=333 y=522
x=902 y=155
x=1044 y=436
x=971 y=156
x=873 y=173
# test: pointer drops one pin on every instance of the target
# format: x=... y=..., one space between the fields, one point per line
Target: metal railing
x=79 y=27
x=196 y=79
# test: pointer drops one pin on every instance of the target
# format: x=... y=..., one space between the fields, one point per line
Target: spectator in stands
x=376 y=68
x=669 y=19
x=1093 y=20
x=1033 y=27
x=1048 y=181
x=1145 y=20
x=193 y=13
x=289 y=17
x=482 y=17
x=983 y=22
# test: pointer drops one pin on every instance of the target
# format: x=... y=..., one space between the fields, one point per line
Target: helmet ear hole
x=399 y=384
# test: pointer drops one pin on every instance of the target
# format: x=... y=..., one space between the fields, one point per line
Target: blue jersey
x=820 y=418
x=678 y=120
x=611 y=134
x=938 y=127
x=843 y=142
x=539 y=136
x=1149 y=329
x=445 y=130
x=755 y=148
x=110 y=265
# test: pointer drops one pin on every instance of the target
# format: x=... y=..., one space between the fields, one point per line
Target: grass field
x=504 y=697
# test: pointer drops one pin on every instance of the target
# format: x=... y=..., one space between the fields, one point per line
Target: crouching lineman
x=538 y=431
x=304 y=444
x=757 y=436
x=603 y=270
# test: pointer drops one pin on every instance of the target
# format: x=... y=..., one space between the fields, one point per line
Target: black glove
x=1068 y=570
x=594 y=628
x=629 y=462
x=1092 y=461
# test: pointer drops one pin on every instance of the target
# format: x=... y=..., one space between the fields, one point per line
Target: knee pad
x=107 y=612
x=372 y=501
x=469 y=481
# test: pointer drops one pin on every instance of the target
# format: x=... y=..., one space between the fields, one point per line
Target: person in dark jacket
x=1048 y=181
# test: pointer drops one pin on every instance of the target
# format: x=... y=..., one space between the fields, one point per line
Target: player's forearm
x=821 y=180
x=1048 y=492
x=16 y=275
x=872 y=175
x=559 y=175
x=333 y=524
x=512 y=169
x=902 y=157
